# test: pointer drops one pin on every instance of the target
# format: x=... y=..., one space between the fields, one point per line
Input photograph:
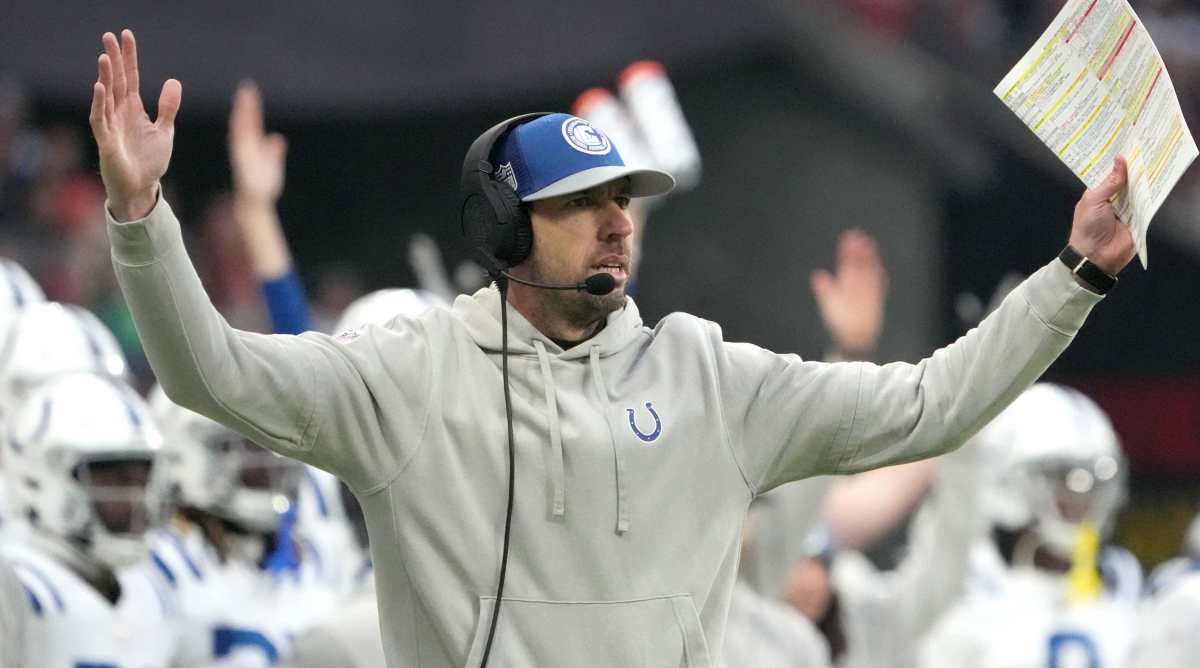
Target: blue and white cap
x=558 y=154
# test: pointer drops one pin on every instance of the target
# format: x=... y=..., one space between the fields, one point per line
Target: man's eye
x=580 y=202
x=622 y=201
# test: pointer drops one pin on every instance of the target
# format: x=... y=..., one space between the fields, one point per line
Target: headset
x=493 y=219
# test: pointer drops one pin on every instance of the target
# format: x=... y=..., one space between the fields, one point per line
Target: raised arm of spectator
x=257 y=161
x=851 y=299
x=885 y=613
x=863 y=508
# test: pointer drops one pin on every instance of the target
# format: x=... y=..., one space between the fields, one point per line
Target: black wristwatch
x=1096 y=278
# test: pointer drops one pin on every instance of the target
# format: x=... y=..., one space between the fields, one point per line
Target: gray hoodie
x=638 y=451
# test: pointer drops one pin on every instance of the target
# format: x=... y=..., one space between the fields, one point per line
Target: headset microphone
x=596 y=284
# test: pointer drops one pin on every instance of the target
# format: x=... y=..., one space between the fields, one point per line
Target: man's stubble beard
x=578 y=307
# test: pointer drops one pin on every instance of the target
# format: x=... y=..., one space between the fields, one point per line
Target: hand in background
x=851 y=301
x=134 y=151
x=256 y=159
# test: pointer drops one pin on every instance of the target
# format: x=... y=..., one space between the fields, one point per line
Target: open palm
x=256 y=158
x=134 y=151
x=851 y=299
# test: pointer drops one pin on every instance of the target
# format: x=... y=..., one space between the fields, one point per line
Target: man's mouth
x=613 y=265
x=615 y=269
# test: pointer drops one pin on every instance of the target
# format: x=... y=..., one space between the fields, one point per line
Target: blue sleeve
x=287 y=304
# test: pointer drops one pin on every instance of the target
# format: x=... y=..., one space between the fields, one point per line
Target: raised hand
x=257 y=160
x=1095 y=231
x=134 y=151
x=851 y=301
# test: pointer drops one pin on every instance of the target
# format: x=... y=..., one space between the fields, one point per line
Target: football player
x=245 y=586
x=43 y=340
x=79 y=453
x=1043 y=591
x=17 y=291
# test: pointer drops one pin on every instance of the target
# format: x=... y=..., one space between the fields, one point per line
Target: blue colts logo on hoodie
x=652 y=436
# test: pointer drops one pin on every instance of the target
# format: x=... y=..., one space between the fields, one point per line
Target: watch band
x=1100 y=281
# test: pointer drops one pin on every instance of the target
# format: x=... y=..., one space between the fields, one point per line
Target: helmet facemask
x=264 y=488
x=1065 y=495
x=79 y=453
x=124 y=506
x=211 y=468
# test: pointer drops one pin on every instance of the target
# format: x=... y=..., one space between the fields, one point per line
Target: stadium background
x=810 y=116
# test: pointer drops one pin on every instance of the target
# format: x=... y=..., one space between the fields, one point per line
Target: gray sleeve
x=309 y=396
x=789 y=419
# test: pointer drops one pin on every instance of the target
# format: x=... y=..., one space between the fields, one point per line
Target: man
x=638 y=450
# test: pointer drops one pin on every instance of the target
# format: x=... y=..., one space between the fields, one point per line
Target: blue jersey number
x=226 y=639
x=1060 y=642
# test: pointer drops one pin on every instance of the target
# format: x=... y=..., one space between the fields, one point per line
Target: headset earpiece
x=493 y=219
x=515 y=231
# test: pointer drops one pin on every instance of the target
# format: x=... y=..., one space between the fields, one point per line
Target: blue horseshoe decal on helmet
x=648 y=438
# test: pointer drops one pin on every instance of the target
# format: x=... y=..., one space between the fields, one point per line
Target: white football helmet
x=208 y=466
x=50 y=339
x=380 y=306
x=17 y=291
x=1054 y=463
x=79 y=451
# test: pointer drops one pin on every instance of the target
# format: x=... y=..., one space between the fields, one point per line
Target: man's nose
x=617 y=222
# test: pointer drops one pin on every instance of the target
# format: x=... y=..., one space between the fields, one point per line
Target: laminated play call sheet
x=1094 y=86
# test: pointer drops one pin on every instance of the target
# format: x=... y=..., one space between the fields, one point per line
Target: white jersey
x=762 y=633
x=1168 y=633
x=68 y=624
x=1028 y=622
x=235 y=614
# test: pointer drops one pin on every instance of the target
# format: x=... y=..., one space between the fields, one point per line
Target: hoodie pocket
x=657 y=632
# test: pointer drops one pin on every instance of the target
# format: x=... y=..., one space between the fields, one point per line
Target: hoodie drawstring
x=602 y=395
x=555 y=468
